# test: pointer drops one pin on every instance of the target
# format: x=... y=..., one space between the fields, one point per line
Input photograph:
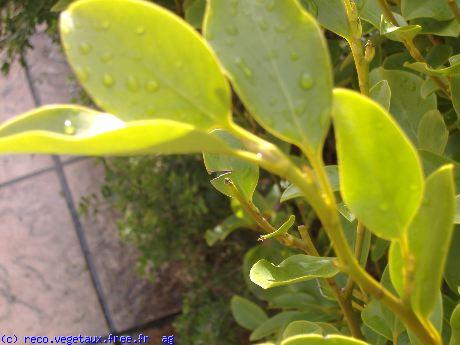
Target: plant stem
x=360 y=233
x=411 y=47
x=454 y=8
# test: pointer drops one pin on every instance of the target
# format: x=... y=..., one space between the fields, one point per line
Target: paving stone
x=132 y=300
x=16 y=99
x=45 y=287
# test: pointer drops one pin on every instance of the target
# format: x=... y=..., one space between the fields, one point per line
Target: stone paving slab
x=15 y=98
x=133 y=301
x=45 y=288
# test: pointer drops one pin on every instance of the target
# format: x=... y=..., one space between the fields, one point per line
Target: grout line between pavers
x=58 y=167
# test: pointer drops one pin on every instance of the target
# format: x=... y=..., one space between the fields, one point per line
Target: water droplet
x=108 y=80
x=106 y=57
x=140 y=30
x=151 y=86
x=383 y=207
x=69 y=128
x=306 y=81
x=82 y=74
x=85 y=48
x=294 y=56
x=132 y=83
x=243 y=66
x=232 y=30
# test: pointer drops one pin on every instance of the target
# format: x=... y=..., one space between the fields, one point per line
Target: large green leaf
x=455 y=326
x=71 y=129
x=246 y=313
x=432 y=132
x=275 y=54
x=320 y=340
x=380 y=173
x=407 y=104
x=381 y=93
x=332 y=15
x=399 y=33
x=432 y=225
x=436 y=319
x=243 y=174
x=423 y=67
x=138 y=60
x=294 y=269
x=439 y=10
x=373 y=318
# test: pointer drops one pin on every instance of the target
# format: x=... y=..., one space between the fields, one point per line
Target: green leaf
x=221 y=231
x=61 y=5
x=371 y=12
x=438 y=55
x=433 y=224
x=380 y=172
x=399 y=33
x=243 y=174
x=457 y=210
x=138 y=60
x=432 y=162
x=407 y=105
x=373 y=318
x=438 y=10
x=423 y=67
x=455 y=326
x=320 y=340
x=194 y=12
x=432 y=132
x=275 y=323
x=449 y=28
x=452 y=273
x=332 y=15
x=71 y=129
x=455 y=91
x=381 y=93
x=301 y=327
x=246 y=313
x=436 y=319
x=294 y=269
x=265 y=48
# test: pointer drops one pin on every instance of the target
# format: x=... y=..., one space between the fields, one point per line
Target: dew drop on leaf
x=82 y=74
x=306 y=81
x=69 y=128
x=132 y=83
x=108 y=80
x=151 y=86
x=85 y=48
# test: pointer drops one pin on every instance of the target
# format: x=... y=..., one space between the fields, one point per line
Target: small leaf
x=407 y=105
x=371 y=12
x=438 y=10
x=381 y=93
x=373 y=318
x=333 y=16
x=399 y=33
x=71 y=129
x=435 y=216
x=275 y=323
x=294 y=269
x=455 y=326
x=432 y=132
x=432 y=162
x=422 y=67
x=194 y=12
x=380 y=173
x=138 y=60
x=221 y=231
x=243 y=174
x=301 y=327
x=265 y=48
x=320 y=340
x=246 y=313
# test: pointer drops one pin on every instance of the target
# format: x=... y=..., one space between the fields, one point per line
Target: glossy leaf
x=448 y=28
x=407 y=104
x=246 y=313
x=320 y=340
x=277 y=59
x=371 y=12
x=294 y=269
x=221 y=231
x=381 y=93
x=433 y=224
x=438 y=55
x=243 y=174
x=432 y=132
x=422 y=67
x=78 y=130
x=455 y=90
x=373 y=318
x=452 y=273
x=194 y=12
x=432 y=162
x=292 y=191
x=412 y=9
x=398 y=33
x=301 y=327
x=138 y=60
x=332 y=15
x=380 y=173
x=455 y=326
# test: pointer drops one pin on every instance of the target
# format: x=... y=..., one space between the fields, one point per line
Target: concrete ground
x=61 y=273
